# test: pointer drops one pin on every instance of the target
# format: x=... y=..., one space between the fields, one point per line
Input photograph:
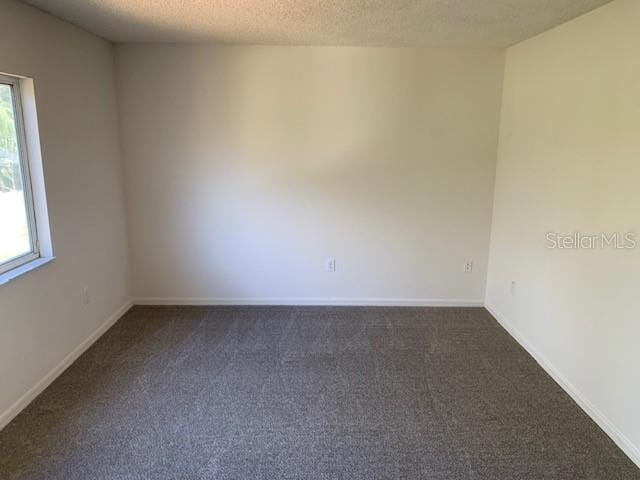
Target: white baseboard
x=302 y=301
x=45 y=381
x=619 y=438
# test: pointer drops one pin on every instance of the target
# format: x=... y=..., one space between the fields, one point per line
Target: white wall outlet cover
x=331 y=265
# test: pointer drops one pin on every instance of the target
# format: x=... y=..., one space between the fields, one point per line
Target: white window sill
x=6 y=277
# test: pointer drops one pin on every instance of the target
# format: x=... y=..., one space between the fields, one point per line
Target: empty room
x=311 y=240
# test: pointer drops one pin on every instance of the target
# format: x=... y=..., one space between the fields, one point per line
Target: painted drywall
x=248 y=167
x=569 y=161
x=43 y=317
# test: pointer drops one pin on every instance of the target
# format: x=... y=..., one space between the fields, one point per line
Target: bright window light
x=19 y=242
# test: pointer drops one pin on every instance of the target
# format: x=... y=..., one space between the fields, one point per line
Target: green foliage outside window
x=10 y=178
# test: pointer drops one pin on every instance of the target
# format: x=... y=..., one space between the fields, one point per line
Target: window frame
x=25 y=171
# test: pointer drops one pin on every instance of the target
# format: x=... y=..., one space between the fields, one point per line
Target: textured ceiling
x=483 y=23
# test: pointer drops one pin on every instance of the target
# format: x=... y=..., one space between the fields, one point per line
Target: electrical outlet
x=512 y=288
x=468 y=266
x=331 y=265
x=85 y=296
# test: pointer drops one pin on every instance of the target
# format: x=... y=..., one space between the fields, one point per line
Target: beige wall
x=569 y=160
x=42 y=314
x=247 y=167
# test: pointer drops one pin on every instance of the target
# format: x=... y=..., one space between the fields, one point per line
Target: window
x=19 y=242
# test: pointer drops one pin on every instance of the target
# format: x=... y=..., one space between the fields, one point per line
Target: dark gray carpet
x=306 y=393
